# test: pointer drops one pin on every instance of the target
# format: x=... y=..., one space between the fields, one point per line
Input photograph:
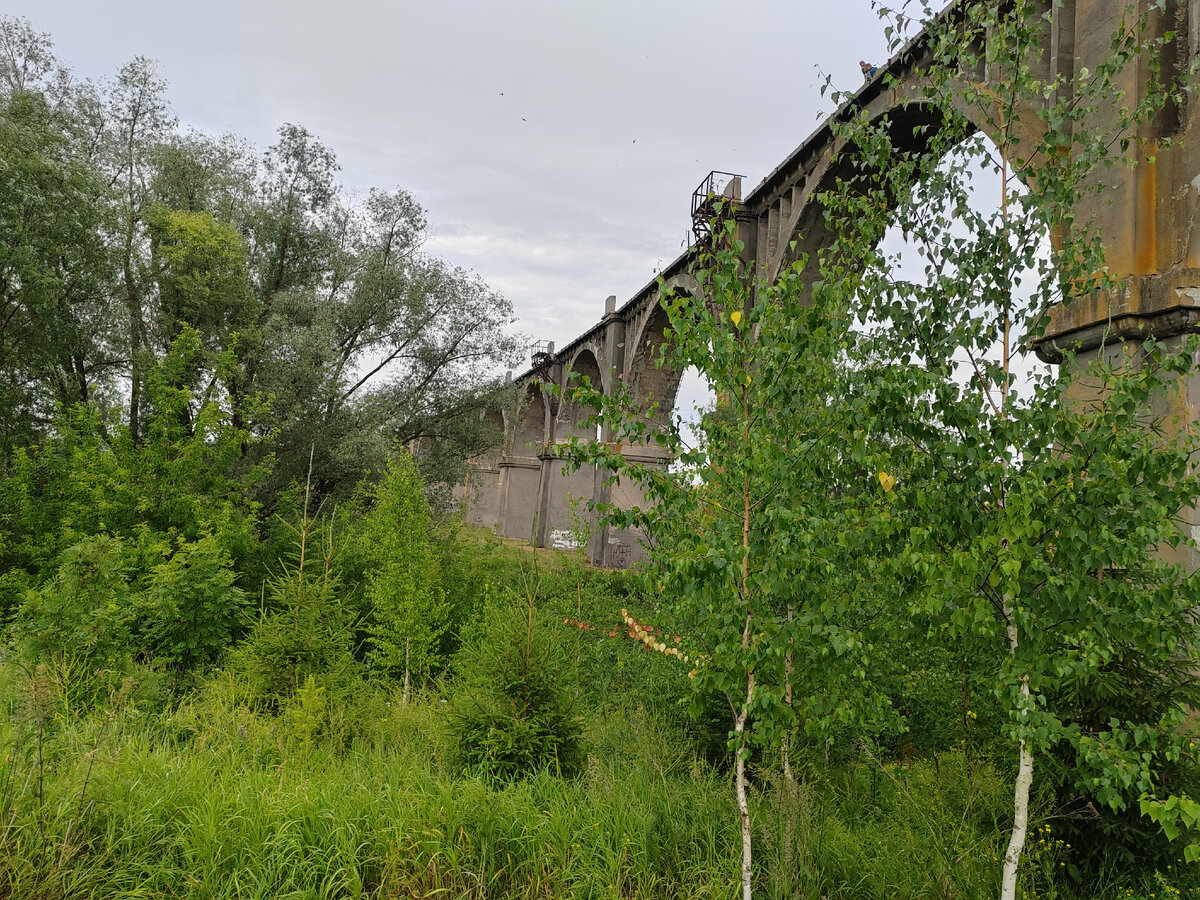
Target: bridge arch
x=528 y=426
x=1147 y=214
x=913 y=127
x=572 y=414
x=653 y=386
x=807 y=230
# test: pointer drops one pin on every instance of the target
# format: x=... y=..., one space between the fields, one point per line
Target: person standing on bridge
x=868 y=70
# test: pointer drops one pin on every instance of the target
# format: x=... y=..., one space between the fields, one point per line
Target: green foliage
x=190 y=610
x=129 y=550
x=407 y=607
x=56 y=322
x=512 y=716
x=607 y=669
x=187 y=480
x=1034 y=517
x=203 y=271
x=473 y=564
x=95 y=610
x=240 y=808
x=305 y=638
x=85 y=610
x=763 y=534
x=119 y=230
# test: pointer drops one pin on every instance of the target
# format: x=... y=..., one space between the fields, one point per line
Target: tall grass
x=213 y=801
x=250 y=814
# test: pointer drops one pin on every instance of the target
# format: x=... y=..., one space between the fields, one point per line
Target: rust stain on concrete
x=1145 y=236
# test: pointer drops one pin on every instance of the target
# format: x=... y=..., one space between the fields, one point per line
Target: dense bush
x=513 y=716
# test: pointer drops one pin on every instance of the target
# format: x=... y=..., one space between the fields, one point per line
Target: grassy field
x=214 y=801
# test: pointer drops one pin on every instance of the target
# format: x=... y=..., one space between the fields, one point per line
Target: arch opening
x=971 y=230
x=694 y=399
x=573 y=415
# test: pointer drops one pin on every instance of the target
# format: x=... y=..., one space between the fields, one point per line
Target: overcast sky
x=554 y=144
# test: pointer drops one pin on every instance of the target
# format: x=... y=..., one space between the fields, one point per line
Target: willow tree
x=325 y=323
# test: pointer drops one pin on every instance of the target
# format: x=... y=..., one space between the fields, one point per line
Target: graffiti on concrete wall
x=565 y=539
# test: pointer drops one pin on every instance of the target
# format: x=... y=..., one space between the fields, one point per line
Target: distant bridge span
x=1148 y=219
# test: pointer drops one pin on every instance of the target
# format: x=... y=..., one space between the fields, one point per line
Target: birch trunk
x=739 y=729
x=1016 y=843
x=744 y=811
x=739 y=720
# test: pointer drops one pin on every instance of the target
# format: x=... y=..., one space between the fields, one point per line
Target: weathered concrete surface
x=1148 y=216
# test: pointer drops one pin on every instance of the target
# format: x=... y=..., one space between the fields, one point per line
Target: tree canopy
x=324 y=329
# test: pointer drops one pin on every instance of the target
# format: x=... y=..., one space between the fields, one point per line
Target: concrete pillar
x=622 y=547
x=519 y=477
x=559 y=488
x=545 y=497
x=614 y=343
x=520 y=468
x=1147 y=214
x=550 y=372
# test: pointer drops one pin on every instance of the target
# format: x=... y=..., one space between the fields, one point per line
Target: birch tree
x=1045 y=501
x=757 y=531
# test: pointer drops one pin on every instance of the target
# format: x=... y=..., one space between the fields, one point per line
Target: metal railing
x=716 y=186
x=541 y=353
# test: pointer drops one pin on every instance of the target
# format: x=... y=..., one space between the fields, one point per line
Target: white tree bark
x=739 y=728
x=1016 y=843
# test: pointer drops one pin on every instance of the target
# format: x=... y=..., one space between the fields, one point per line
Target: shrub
x=191 y=608
x=308 y=632
x=511 y=718
x=408 y=609
x=84 y=610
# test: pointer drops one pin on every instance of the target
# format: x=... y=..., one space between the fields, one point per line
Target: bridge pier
x=619 y=548
x=562 y=502
x=520 y=477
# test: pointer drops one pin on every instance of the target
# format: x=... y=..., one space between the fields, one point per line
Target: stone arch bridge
x=1148 y=217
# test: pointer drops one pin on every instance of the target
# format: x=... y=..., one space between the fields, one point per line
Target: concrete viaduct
x=1148 y=217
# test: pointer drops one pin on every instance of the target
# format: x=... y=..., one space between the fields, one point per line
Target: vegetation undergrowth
x=211 y=795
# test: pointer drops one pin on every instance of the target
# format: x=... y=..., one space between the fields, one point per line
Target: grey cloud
x=557 y=211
